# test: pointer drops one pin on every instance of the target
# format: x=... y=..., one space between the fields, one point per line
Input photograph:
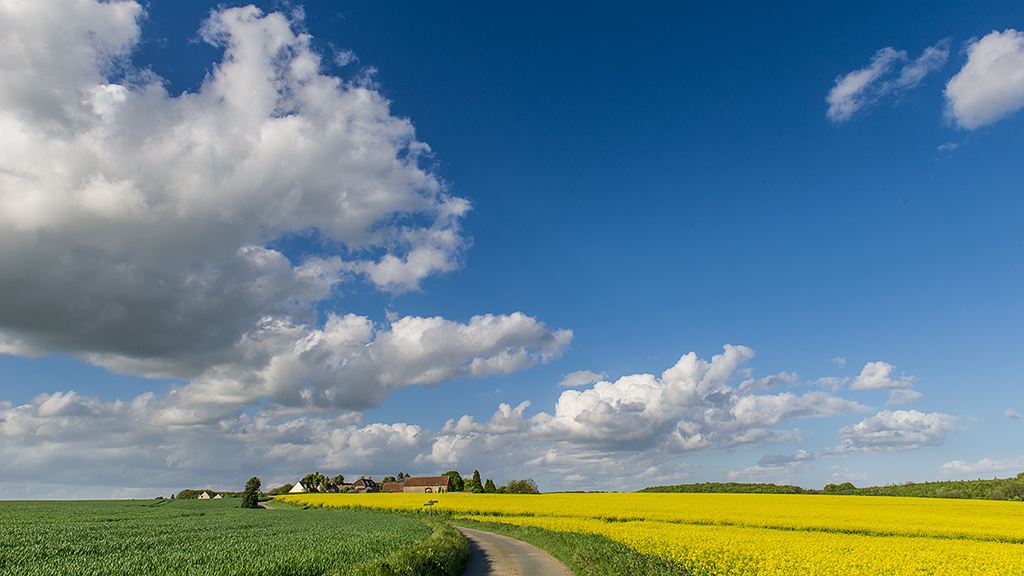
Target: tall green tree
x=475 y=485
x=458 y=485
x=489 y=487
x=251 y=495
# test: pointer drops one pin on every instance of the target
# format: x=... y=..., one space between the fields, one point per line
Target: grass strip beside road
x=585 y=554
x=445 y=553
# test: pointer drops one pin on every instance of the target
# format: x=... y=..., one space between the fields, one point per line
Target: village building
x=301 y=487
x=412 y=484
x=362 y=485
x=365 y=485
x=206 y=495
x=427 y=484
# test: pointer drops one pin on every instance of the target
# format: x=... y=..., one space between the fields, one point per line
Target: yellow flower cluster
x=762 y=534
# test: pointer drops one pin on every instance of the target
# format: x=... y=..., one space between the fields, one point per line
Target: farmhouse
x=301 y=487
x=365 y=485
x=206 y=495
x=431 y=484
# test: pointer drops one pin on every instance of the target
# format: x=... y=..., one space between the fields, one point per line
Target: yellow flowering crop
x=761 y=534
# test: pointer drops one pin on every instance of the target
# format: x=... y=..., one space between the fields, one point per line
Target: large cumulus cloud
x=140 y=224
x=990 y=86
x=144 y=232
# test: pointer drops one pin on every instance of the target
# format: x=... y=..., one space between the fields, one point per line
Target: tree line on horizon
x=995 y=489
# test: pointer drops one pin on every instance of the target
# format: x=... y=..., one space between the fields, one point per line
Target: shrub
x=251 y=495
x=527 y=486
x=444 y=553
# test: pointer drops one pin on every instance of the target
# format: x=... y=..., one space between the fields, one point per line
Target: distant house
x=302 y=487
x=217 y=496
x=392 y=487
x=206 y=495
x=365 y=485
x=431 y=484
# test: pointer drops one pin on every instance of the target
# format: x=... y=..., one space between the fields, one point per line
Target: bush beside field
x=445 y=553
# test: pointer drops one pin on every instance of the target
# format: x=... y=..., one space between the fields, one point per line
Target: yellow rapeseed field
x=761 y=534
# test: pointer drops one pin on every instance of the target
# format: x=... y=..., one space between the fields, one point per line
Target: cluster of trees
x=280 y=490
x=729 y=488
x=995 y=489
x=475 y=485
x=400 y=479
x=317 y=479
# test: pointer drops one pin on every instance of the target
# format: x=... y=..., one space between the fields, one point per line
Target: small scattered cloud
x=861 y=88
x=896 y=431
x=345 y=57
x=948 y=147
x=1011 y=414
x=904 y=396
x=752 y=385
x=832 y=383
x=961 y=469
x=990 y=86
x=838 y=361
x=878 y=375
x=775 y=468
x=581 y=378
x=841 y=474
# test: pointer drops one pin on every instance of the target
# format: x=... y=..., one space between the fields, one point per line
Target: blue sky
x=277 y=237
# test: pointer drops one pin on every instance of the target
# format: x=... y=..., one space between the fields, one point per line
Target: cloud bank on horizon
x=155 y=235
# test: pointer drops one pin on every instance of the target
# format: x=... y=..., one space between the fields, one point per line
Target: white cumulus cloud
x=145 y=232
x=877 y=375
x=990 y=86
x=140 y=224
x=896 y=431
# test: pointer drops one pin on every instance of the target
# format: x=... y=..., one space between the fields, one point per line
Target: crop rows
x=765 y=534
x=192 y=537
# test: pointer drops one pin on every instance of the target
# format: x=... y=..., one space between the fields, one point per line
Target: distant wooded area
x=995 y=489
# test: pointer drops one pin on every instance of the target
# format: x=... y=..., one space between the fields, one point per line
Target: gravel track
x=496 y=555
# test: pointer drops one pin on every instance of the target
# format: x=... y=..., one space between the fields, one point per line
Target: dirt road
x=496 y=555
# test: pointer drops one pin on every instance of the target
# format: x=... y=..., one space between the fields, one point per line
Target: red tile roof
x=429 y=481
